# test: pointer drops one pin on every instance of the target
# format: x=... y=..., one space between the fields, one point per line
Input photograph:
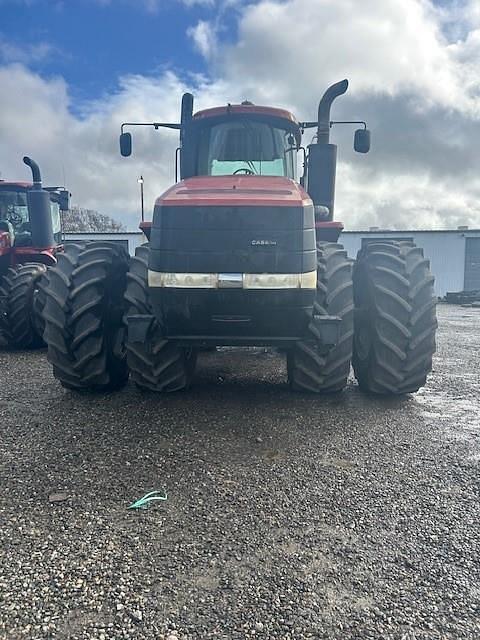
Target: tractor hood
x=235 y=190
x=233 y=224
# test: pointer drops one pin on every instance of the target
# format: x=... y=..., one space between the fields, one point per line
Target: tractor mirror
x=361 y=142
x=126 y=144
x=64 y=200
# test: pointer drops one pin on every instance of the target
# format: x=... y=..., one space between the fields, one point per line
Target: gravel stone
x=289 y=516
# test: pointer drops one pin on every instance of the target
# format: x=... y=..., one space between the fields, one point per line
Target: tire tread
x=309 y=370
x=158 y=364
x=397 y=311
x=18 y=324
x=83 y=313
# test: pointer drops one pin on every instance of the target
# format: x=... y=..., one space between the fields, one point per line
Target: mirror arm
x=307 y=125
x=155 y=125
x=332 y=122
x=310 y=125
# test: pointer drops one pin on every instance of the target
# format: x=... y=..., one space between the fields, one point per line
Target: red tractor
x=241 y=252
x=30 y=238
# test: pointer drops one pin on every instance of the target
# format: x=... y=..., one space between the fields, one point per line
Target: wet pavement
x=288 y=516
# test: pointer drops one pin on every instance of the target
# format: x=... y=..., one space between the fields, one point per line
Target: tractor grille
x=221 y=239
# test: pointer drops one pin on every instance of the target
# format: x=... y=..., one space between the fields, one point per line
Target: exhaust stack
x=322 y=157
x=39 y=209
x=186 y=114
x=324 y=106
x=36 y=177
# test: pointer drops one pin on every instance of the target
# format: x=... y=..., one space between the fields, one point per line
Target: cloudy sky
x=72 y=71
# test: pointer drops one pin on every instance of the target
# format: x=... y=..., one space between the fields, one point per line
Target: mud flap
x=327 y=330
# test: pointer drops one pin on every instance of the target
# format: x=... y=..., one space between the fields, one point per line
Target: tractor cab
x=30 y=220
x=241 y=140
x=252 y=141
x=15 y=215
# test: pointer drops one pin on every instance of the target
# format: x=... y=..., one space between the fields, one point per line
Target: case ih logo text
x=264 y=243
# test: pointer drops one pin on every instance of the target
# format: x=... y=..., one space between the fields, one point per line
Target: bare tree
x=78 y=219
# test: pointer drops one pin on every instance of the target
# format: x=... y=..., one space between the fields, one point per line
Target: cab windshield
x=13 y=208
x=245 y=146
x=14 y=212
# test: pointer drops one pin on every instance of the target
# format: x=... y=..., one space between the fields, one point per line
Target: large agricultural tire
x=39 y=300
x=83 y=316
x=155 y=364
x=18 y=289
x=395 y=318
x=309 y=367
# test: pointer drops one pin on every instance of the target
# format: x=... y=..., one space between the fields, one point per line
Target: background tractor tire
x=39 y=300
x=156 y=364
x=395 y=318
x=83 y=315
x=18 y=289
x=308 y=368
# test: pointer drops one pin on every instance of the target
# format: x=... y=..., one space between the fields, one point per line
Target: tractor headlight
x=280 y=280
x=233 y=280
x=270 y=280
x=308 y=280
x=183 y=280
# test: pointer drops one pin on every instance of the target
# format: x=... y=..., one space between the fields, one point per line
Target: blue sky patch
x=91 y=43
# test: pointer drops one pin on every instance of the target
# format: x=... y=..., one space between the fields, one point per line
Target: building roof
x=17 y=184
x=404 y=231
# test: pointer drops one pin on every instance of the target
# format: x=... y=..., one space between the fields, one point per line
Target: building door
x=472 y=264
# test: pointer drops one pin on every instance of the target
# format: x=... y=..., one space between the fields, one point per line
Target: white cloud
x=24 y=52
x=398 y=201
x=36 y=121
x=204 y=37
x=293 y=48
x=415 y=81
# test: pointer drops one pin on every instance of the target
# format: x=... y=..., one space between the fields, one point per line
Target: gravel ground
x=288 y=516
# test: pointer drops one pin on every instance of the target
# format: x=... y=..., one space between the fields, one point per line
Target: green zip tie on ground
x=143 y=503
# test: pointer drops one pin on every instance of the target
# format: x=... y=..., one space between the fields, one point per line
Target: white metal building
x=130 y=240
x=454 y=254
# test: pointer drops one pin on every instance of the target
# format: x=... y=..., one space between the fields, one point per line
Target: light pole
x=140 y=182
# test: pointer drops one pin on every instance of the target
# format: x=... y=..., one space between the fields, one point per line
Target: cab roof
x=244 y=109
x=16 y=185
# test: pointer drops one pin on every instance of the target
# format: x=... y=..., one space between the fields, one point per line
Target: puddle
x=458 y=416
